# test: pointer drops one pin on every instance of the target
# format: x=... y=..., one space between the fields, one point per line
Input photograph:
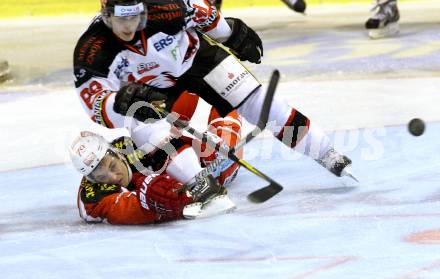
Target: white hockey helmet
x=87 y=151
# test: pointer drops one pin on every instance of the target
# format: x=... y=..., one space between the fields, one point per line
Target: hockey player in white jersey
x=124 y=58
x=385 y=21
x=298 y=6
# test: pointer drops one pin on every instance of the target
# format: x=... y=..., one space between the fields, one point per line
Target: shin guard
x=295 y=129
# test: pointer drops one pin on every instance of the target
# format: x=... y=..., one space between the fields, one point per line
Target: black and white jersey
x=103 y=62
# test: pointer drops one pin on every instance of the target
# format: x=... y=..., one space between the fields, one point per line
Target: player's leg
x=185 y=105
x=157 y=137
x=227 y=84
x=296 y=130
x=228 y=129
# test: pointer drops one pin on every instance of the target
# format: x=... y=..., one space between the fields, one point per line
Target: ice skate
x=338 y=164
x=210 y=199
x=220 y=204
x=384 y=22
x=298 y=6
x=205 y=189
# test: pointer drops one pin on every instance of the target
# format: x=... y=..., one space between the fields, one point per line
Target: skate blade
x=390 y=30
x=191 y=211
x=349 y=173
x=218 y=205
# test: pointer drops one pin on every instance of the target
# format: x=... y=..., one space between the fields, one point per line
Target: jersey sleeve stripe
x=105 y=117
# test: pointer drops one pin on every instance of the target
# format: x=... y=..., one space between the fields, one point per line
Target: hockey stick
x=173 y=118
x=264 y=115
x=267 y=192
x=223 y=149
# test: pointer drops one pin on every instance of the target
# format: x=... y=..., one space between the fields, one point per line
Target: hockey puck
x=416 y=127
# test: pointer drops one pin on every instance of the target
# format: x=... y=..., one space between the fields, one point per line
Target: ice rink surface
x=363 y=92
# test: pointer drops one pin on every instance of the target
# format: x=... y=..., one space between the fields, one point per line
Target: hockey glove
x=132 y=93
x=244 y=42
x=163 y=195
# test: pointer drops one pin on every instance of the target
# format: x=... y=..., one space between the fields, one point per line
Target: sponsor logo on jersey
x=143 y=190
x=145 y=67
x=135 y=157
x=109 y=187
x=164 y=12
x=98 y=107
x=89 y=49
x=163 y=43
x=90 y=192
x=235 y=82
x=120 y=67
x=203 y=16
x=174 y=52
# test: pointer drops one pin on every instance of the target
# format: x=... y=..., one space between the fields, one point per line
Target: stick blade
x=265 y=193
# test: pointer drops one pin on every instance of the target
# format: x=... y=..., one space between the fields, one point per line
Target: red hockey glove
x=160 y=194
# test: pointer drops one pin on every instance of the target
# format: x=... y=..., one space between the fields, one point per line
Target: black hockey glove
x=244 y=42
x=132 y=93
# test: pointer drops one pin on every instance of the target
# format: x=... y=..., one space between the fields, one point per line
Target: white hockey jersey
x=103 y=62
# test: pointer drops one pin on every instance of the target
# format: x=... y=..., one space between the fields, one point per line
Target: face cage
x=106 y=12
x=110 y=152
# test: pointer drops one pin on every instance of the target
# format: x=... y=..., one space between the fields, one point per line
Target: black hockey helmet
x=125 y=8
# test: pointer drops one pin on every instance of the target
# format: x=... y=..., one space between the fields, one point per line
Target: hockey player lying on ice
x=123 y=185
x=123 y=58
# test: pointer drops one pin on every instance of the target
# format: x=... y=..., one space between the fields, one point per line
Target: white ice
x=319 y=226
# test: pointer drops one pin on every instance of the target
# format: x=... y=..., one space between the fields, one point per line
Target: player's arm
x=204 y=16
x=121 y=209
x=98 y=73
x=228 y=130
x=97 y=97
x=107 y=102
x=161 y=195
x=95 y=81
x=98 y=202
x=242 y=40
x=157 y=198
